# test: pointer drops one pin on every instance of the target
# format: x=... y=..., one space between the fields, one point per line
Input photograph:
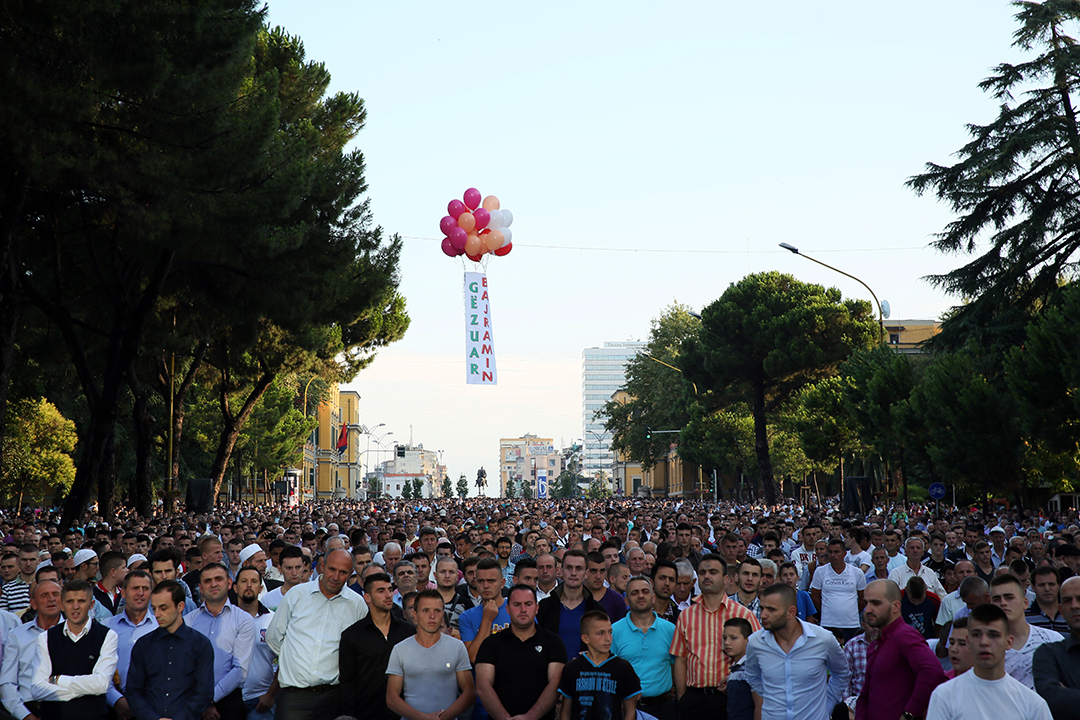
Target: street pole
x=881 y=313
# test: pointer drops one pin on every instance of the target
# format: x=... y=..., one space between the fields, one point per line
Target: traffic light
x=648 y=433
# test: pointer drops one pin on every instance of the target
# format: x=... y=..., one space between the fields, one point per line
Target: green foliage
x=565 y=485
x=37 y=451
x=526 y=491
x=417 y=488
x=447 y=487
x=598 y=489
x=374 y=489
x=1015 y=186
x=973 y=428
x=407 y=490
x=825 y=430
x=659 y=396
x=511 y=488
x=462 y=486
x=768 y=336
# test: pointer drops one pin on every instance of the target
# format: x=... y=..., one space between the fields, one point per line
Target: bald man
x=903 y=672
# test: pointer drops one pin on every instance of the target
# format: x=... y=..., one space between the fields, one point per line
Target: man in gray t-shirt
x=430 y=672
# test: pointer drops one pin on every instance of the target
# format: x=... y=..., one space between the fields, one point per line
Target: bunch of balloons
x=474 y=227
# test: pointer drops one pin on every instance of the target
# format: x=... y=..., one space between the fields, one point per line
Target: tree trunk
x=12 y=197
x=232 y=424
x=94 y=465
x=142 y=488
x=177 y=395
x=761 y=442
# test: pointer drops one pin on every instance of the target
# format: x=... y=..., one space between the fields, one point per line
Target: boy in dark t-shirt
x=597 y=685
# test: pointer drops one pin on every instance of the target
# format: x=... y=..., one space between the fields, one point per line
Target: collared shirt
x=855 y=651
x=306 y=631
x=171 y=675
x=1035 y=615
x=804 y=683
x=69 y=687
x=950 y=604
x=1018 y=659
x=260 y=672
x=232 y=632
x=901 y=673
x=646 y=651
x=753 y=606
x=127 y=633
x=20 y=662
x=697 y=635
x=902 y=574
x=1056 y=669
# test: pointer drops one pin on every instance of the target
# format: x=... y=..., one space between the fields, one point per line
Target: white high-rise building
x=603 y=371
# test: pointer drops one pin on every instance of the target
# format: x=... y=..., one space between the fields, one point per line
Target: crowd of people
x=524 y=610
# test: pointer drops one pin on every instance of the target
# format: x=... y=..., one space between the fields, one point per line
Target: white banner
x=539 y=447
x=479 y=338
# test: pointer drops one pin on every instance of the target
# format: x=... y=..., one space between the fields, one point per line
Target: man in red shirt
x=901 y=669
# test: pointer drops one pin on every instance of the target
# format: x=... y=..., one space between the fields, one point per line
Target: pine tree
x=1016 y=188
x=463 y=486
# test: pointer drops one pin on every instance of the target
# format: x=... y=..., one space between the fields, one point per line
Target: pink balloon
x=482 y=217
x=447 y=224
x=472 y=198
x=455 y=208
x=458 y=237
x=448 y=248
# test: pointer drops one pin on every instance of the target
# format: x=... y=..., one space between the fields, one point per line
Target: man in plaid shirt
x=855 y=651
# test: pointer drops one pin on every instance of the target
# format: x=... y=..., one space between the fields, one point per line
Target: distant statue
x=481 y=477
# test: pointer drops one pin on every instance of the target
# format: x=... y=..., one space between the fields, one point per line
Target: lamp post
x=881 y=314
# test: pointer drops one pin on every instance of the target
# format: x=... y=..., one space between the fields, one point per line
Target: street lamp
x=881 y=313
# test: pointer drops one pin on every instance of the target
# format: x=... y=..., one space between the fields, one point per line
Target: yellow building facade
x=330 y=472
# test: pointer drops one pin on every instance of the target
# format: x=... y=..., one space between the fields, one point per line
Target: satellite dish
x=885 y=308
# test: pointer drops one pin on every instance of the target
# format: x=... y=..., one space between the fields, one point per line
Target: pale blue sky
x=715 y=127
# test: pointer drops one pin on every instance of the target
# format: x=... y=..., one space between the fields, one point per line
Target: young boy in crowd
x=597 y=685
x=740 y=700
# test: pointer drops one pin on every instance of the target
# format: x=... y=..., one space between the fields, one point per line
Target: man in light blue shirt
x=796 y=670
x=20 y=651
x=643 y=639
x=232 y=633
x=130 y=625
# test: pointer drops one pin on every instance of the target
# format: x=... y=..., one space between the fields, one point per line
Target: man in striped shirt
x=700 y=663
x=16 y=595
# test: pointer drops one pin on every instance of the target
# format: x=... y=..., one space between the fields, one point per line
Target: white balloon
x=508 y=217
x=507 y=234
x=496 y=220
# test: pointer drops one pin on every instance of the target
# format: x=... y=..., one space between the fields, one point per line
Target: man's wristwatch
x=53 y=679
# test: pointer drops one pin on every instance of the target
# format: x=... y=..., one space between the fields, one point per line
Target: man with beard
x=518 y=670
x=901 y=670
x=365 y=652
x=794 y=668
x=643 y=638
x=260 y=686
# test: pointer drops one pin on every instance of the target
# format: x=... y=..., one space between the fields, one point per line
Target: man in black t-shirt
x=518 y=669
x=597 y=685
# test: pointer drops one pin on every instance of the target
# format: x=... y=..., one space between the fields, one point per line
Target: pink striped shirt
x=698 y=639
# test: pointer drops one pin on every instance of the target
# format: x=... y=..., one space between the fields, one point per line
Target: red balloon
x=455 y=208
x=474 y=258
x=505 y=249
x=458 y=237
x=448 y=248
x=447 y=224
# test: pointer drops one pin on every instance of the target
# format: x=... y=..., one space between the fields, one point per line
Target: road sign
x=937 y=490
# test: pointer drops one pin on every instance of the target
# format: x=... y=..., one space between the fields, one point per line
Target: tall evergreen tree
x=1016 y=187
x=768 y=336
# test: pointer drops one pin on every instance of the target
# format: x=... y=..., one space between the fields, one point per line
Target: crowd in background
x=585 y=609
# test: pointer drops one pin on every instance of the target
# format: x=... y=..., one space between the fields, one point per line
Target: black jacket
x=550 y=608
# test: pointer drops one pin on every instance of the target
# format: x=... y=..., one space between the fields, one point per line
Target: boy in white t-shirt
x=986 y=691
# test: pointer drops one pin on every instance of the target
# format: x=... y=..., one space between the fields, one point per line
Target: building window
x=894 y=338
